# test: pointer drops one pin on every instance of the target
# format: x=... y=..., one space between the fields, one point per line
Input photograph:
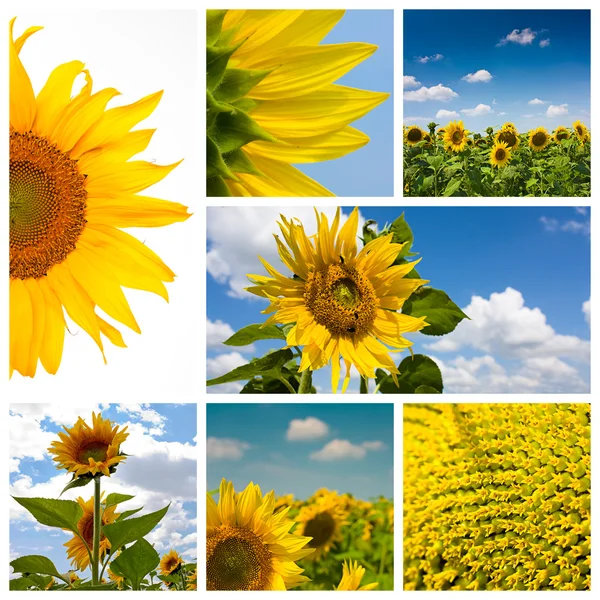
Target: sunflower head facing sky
x=248 y=546
x=76 y=549
x=89 y=451
x=508 y=135
x=72 y=187
x=581 y=131
x=341 y=304
x=272 y=101
x=500 y=154
x=413 y=135
x=455 y=136
x=561 y=133
x=538 y=139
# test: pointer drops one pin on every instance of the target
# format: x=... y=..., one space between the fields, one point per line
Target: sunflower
x=170 y=562
x=85 y=450
x=581 y=131
x=50 y=584
x=509 y=135
x=561 y=133
x=71 y=188
x=352 y=575
x=248 y=546
x=322 y=520
x=192 y=581
x=500 y=154
x=440 y=132
x=283 y=502
x=341 y=302
x=538 y=139
x=269 y=75
x=455 y=136
x=413 y=135
x=73 y=577
x=76 y=549
x=118 y=579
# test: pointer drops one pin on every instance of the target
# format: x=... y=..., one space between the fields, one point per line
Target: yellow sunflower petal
x=22 y=99
x=38 y=310
x=54 y=330
x=21 y=326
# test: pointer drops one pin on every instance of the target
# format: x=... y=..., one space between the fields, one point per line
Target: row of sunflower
x=447 y=161
x=340 y=304
x=329 y=541
x=108 y=549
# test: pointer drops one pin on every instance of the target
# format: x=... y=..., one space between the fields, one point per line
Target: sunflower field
x=330 y=541
x=341 y=304
x=108 y=549
x=448 y=161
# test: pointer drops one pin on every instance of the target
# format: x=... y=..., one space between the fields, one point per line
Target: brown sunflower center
x=508 y=137
x=237 y=559
x=95 y=450
x=47 y=205
x=320 y=528
x=414 y=135
x=500 y=154
x=457 y=136
x=562 y=134
x=341 y=299
x=579 y=130
x=539 y=139
x=171 y=564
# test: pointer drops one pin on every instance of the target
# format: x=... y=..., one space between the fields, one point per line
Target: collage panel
x=398 y=300
x=300 y=496
x=103 y=497
x=503 y=112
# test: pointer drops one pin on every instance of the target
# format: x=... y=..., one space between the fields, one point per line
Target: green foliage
x=270 y=365
x=53 y=513
x=35 y=564
x=124 y=532
x=114 y=499
x=136 y=562
x=418 y=375
x=441 y=313
x=253 y=333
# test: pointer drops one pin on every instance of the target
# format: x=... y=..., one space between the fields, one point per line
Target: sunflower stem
x=364 y=385
x=287 y=384
x=305 y=382
x=97 y=524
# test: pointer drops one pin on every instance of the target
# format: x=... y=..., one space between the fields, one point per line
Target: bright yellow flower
x=72 y=187
x=342 y=303
x=561 y=133
x=581 y=131
x=73 y=577
x=413 y=135
x=500 y=154
x=248 y=546
x=509 y=135
x=455 y=136
x=352 y=575
x=322 y=520
x=118 y=579
x=538 y=139
x=76 y=550
x=302 y=116
x=192 y=581
x=89 y=450
x=170 y=562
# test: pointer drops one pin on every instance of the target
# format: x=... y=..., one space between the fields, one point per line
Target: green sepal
x=215 y=165
x=236 y=129
x=245 y=104
x=236 y=83
x=217 y=58
x=214 y=24
x=216 y=188
x=238 y=162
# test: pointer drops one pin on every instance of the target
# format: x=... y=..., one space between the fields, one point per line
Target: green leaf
x=236 y=83
x=531 y=182
x=53 y=513
x=435 y=162
x=76 y=482
x=253 y=333
x=216 y=188
x=35 y=564
x=128 y=513
x=452 y=186
x=267 y=365
x=41 y=581
x=368 y=234
x=131 y=530
x=415 y=371
x=114 y=499
x=426 y=389
x=215 y=165
x=217 y=58
x=235 y=129
x=20 y=584
x=136 y=562
x=402 y=234
x=441 y=313
x=214 y=24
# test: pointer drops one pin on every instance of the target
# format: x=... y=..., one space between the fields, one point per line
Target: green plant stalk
x=97 y=532
x=305 y=382
x=287 y=384
x=364 y=385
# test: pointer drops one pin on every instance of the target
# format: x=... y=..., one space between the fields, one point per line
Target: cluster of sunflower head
x=497 y=497
x=257 y=542
x=504 y=142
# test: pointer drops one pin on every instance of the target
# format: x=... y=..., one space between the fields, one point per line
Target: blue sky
x=521 y=273
x=539 y=55
x=161 y=468
x=368 y=171
x=299 y=448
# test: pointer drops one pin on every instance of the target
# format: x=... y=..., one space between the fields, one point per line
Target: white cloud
x=426 y=59
x=480 y=109
x=558 y=111
x=223 y=363
x=586 y=308
x=481 y=76
x=544 y=43
x=537 y=101
x=411 y=120
x=225 y=448
x=581 y=210
x=446 y=114
x=523 y=37
x=410 y=81
x=437 y=92
x=375 y=445
x=310 y=428
x=504 y=327
x=552 y=225
x=501 y=114
x=218 y=332
x=339 y=450
x=527 y=116
x=145 y=412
